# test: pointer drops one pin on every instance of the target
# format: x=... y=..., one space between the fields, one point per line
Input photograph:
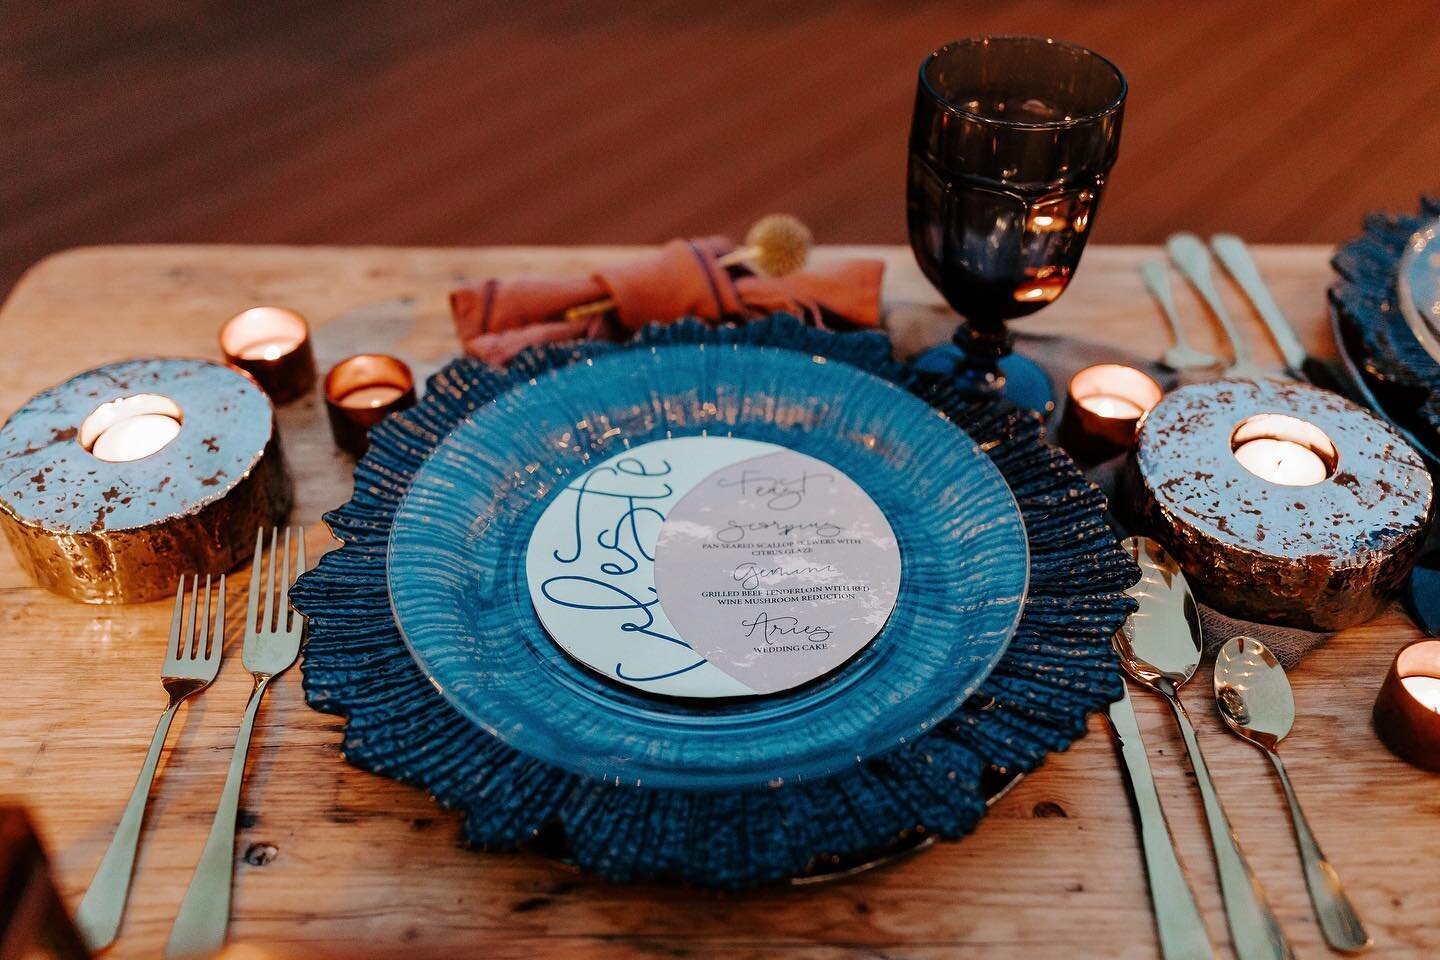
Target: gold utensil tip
x=1192 y=258
x=1182 y=356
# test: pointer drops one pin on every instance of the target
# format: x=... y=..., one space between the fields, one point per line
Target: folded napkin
x=500 y=317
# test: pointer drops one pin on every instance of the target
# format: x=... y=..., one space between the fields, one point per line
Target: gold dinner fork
x=192 y=659
x=272 y=643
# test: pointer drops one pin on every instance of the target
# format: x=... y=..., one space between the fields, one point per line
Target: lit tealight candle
x=1407 y=711
x=272 y=344
x=368 y=398
x=1106 y=403
x=268 y=349
x=1283 y=449
x=135 y=438
x=130 y=428
x=361 y=391
x=1109 y=405
x=1425 y=690
x=1281 y=461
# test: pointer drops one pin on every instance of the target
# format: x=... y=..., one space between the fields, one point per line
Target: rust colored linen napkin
x=500 y=317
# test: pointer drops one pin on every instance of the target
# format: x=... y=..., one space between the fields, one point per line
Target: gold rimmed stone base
x=104 y=531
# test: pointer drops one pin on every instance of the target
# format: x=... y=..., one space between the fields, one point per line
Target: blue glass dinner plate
x=456 y=566
x=1059 y=666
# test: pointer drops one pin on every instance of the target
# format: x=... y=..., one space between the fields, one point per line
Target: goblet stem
x=982 y=346
x=979 y=363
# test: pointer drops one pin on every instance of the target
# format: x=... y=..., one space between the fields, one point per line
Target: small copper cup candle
x=362 y=390
x=1407 y=711
x=1105 y=405
x=1282 y=502
x=272 y=344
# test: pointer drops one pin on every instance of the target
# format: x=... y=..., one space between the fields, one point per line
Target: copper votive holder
x=272 y=345
x=1282 y=502
x=1407 y=711
x=125 y=477
x=362 y=390
x=1104 y=405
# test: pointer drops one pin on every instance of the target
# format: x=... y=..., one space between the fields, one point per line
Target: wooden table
x=333 y=856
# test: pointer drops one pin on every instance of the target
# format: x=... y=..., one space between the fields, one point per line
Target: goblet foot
x=1019 y=379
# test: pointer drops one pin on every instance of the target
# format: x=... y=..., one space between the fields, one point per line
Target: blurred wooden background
x=563 y=121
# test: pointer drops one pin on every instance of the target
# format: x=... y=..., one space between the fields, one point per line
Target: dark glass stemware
x=1010 y=146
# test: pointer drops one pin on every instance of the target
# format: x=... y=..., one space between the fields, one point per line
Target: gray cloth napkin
x=1062 y=358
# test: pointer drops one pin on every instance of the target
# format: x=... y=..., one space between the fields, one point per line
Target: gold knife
x=1177 y=917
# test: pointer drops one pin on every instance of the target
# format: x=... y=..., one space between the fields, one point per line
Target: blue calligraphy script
x=618 y=496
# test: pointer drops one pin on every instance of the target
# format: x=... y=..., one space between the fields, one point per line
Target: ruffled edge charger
x=1385 y=363
x=1059 y=667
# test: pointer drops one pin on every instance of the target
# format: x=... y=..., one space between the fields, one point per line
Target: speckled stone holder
x=1323 y=556
x=106 y=532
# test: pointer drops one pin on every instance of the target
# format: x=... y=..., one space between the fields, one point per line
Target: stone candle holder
x=1282 y=502
x=127 y=476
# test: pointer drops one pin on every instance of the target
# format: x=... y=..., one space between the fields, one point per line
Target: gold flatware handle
x=199 y=928
x=1338 y=919
x=1254 y=929
x=1177 y=917
x=1190 y=256
x=98 y=917
x=1231 y=251
x=1156 y=277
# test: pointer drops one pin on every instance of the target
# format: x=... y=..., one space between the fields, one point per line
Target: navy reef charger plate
x=460 y=593
x=1058 y=668
x=1391 y=371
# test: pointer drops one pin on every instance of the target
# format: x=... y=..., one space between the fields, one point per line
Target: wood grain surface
x=336 y=861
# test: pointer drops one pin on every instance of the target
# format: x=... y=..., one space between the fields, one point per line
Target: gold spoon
x=1160 y=647
x=1254 y=697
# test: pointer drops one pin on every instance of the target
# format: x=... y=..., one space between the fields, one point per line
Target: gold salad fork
x=192 y=659
x=272 y=643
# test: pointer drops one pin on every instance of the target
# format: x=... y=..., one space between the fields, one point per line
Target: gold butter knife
x=1177 y=917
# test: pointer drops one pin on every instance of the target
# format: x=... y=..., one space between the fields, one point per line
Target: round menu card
x=713 y=567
